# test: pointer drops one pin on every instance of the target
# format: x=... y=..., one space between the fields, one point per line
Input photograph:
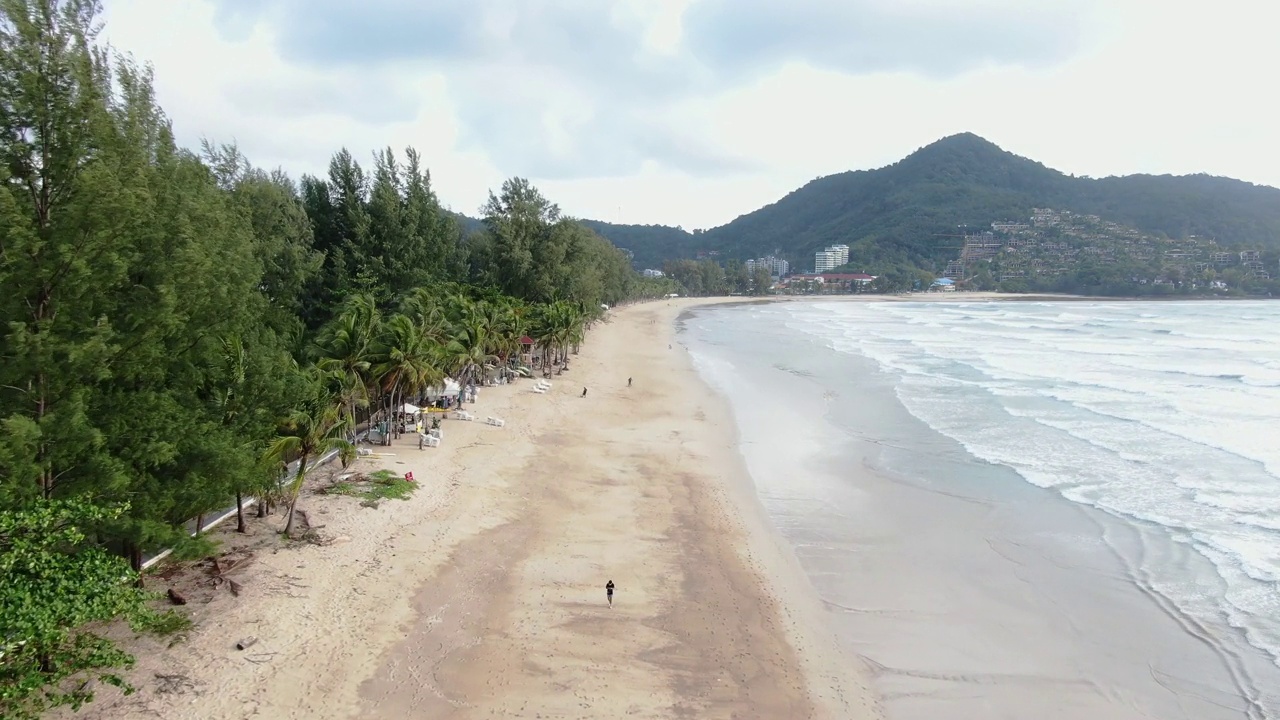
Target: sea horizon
x=989 y=518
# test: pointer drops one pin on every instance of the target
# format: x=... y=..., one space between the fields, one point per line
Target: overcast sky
x=692 y=112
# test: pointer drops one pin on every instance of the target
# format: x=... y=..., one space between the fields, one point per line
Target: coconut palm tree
x=308 y=433
x=508 y=321
x=344 y=349
x=407 y=361
x=425 y=307
x=467 y=354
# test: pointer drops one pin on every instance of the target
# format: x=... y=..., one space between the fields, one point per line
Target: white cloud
x=637 y=111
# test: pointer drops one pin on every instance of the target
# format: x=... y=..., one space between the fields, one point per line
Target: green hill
x=902 y=213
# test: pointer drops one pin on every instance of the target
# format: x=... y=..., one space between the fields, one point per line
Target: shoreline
x=969 y=590
x=481 y=595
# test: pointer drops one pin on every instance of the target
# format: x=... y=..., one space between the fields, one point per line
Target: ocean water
x=1156 y=424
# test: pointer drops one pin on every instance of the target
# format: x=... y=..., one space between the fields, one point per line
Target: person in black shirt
x=608 y=591
x=584 y=392
x=628 y=382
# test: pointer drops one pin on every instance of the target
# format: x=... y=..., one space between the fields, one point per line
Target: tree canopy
x=177 y=323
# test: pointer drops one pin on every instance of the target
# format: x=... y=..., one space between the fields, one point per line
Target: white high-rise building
x=776 y=266
x=844 y=253
x=833 y=257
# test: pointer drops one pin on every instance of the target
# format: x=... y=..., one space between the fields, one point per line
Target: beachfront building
x=830 y=283
x=776 y=266
x=653 y=273
x=831 y=258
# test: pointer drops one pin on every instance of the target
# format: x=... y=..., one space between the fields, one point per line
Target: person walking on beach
x=584 y=392
x=422 y=439
x=628 y=382
x=608 y=591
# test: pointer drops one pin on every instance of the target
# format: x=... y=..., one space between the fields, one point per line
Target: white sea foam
x=1164 y=414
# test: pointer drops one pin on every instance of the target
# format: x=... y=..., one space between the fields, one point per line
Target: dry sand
x=482 y=596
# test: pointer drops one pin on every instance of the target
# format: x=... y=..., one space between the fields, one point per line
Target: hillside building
x=776 y=266
x=831 y=258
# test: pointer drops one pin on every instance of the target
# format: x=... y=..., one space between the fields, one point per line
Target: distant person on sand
x=584 y=392
x=628 y=382
x=608 y=591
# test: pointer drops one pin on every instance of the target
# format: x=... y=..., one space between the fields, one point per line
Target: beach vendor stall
x=442 y=398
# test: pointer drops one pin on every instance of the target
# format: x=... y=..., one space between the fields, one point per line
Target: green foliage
x=194 y=547
x=381 y=485
x=167 y=623
x=55 y=588
x=179 y=327
x=702 y=277
x=529 y=251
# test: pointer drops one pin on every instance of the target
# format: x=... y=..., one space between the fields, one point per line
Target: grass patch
x=193 y=548
x=340 y=488
x=168 y=623
x=373 y=489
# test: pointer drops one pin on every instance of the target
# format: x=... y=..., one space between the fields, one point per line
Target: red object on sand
x=408 y=476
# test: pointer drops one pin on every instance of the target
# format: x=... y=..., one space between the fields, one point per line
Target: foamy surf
x=1172 y=429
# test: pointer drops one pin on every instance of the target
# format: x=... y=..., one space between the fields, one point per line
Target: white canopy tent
x=450 y=389
x=410 y=409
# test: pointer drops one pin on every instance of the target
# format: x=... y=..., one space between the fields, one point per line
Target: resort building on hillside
x=833 y=257
x=1255 y=269
x=776 y=266
x=1044 y=217
x=651 y=273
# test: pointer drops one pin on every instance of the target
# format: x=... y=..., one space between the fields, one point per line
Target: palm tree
x=467 y=353
x=407 y=361
x=345 y=348
x=507 y=319
x=560 y=325
x=309 y=432
x=426 y=309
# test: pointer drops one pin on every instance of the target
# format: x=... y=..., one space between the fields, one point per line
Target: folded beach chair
x=540 y=390
x=431 y=441
x=496 y=422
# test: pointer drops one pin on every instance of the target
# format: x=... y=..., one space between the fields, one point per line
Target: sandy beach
x=483 y=594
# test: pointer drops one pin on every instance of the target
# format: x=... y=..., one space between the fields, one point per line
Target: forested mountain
x=896 y=215
x=650 y=245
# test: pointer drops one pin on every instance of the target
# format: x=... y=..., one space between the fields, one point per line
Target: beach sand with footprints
x=482 y=595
